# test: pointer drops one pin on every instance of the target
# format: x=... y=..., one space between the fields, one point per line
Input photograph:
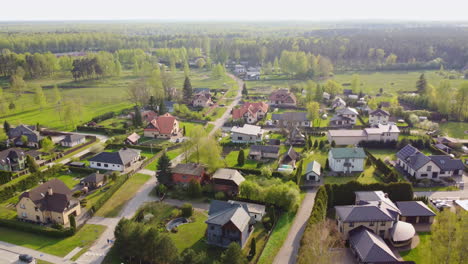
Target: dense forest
x=390 y=47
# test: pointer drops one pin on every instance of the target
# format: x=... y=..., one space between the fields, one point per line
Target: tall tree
x=156 y=84
x=244 y=90
x=233 y=255
x=17 y=84
x=57 y=97
x=162 y=108
x=137 y=118
x=6 y=127
x=241 y=158
x=39 y=97
x=313 y=111
x=187 y=90
x=421 y=84
x=32 y=165
x=163 y=173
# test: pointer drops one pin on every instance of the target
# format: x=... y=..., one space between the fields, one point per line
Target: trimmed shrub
x=187 y=210
x=36 y=229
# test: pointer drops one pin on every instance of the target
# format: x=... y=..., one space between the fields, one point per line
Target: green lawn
x=174 y=153
x=366 y=177
x=277 y=238
x=115 y=204
x=455 y=129
x=55 y=246
x=420 y=253
x=231 y=160
x=70 y=179
x=189 y=126
x=191 y=235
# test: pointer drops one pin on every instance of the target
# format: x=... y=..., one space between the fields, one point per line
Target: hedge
x=5 y=176
x=144 y=148
x=103 y=117
x=319 y=211
x=118 y=183
x=102 y=130
x=37 y=229
x=343 y=194
x=82 y=170
x=275 y=174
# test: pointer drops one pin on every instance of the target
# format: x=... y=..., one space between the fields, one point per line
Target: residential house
x=227 y=181
x=375 y=212
x=164 y=126
x=36 y=155
x=290 y=157
x=283 y=97
x=295 y=137
x=202 y=100
x=238 y=69
x=415 y=212
x=133 y=139
x=94 y=180
x=227 y=223
x=115 y=161
x=338 y=103
x=185 y=173
x=461 y=205
x=383 y=133
x=256 y=211
x=51 y=202
x=247 y=134
x=326 y=96
x=378 y=116
x=443 y=148
x=201 y=90
x=344 y=117
x=346 y=160
x=15 y=136
x=313 y=172
x=420 y=166
x=261 y=152
x=369 y=248
x=250 y=112
x=72 y=140
x=12 y=159
x=291 y=119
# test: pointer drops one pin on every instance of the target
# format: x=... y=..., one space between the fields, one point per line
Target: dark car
x=26 y=258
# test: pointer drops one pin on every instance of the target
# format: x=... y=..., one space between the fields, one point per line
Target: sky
x=315 y=10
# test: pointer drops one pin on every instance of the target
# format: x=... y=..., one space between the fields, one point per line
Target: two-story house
x=344 y=117
x=338 y=103
x=262 y=152
x=383 y=133
x=378 y=116
x=291 y=119
x=164 y=126
x=202 y=100
x=51 y=202
x=420 y=166
x=346 y=160
x=22 y=132
x=250 y=112
x=116 y=161
x=12 y=159
x=247 y=134
x=283 y=97
x=184 y=173
x=228 y=223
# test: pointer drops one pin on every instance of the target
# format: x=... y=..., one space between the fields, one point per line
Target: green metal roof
x=341 y=153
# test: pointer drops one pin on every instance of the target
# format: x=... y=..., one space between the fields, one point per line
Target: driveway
x=290 y=248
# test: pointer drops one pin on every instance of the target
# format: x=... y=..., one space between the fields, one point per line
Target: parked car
x=26 y=258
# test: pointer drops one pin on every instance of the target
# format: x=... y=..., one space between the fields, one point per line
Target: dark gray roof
x=290 y=116
x=235 y=213
x=122 y=157
x=189 y=169
x=29 y=131
x=406 y=151
x=414 y=208
x=370 y=247
x=379 y=112
x=201 y=90
x=264 y=149
x=291 y=154
x=33 y=153
x=340 y=118
x=73 y=138
x=358 y=213
x=446 y=163
x=273 y=141
x=7 y=155
x=417 y=160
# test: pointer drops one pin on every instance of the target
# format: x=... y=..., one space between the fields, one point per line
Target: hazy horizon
x=241 y=10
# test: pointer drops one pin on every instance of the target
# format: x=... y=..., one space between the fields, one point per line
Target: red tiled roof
x=133 y=137
x=164 y=124
x=253 y=108
x=283 y=95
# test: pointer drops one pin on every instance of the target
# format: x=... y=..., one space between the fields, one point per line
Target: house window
x=239 y=138
x=106 y=165
x=424 y=175
x=351 y=224
x=23 y=214
x=98 y=164
x=382 y=224
x=429 y=168
x=37 y=209
x=212 y=227
x=23 y=206
x=371 y=224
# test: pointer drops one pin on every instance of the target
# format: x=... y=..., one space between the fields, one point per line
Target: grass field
x=191 y=235
x=115 y=204
x=420 y=253
x=455 y=129
x=231 y=160
x=55 y=246
x=277 y=238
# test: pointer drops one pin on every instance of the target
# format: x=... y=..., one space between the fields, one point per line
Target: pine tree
x=32 y=165
x=184 y=132
x=6 y=127
x=241 y=158
x=137 y=119
x=333 y=144
x=327 y=165
x=187 y=91
x=316 y=144
x=253 y=248
x=321 y=145
x=421 y=84
x=164 y=174
x=162 y=108
x=244 y=90
x=152 y=104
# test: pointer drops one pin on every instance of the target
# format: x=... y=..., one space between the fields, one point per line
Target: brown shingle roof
x=57 y=202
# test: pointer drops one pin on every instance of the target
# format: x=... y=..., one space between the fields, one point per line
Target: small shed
x=313 y=171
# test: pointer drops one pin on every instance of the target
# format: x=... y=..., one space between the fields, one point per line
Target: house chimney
x=380 y=203
x=386 y=195
x=50 y=191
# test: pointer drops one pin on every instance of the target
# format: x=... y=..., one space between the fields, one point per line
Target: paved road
x=220 y=121
x=7 y=257
x=462 y=194
x=290 y=248
x=9 y=251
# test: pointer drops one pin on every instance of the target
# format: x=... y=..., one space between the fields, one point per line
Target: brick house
x=184 y=173
x=227 y=181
